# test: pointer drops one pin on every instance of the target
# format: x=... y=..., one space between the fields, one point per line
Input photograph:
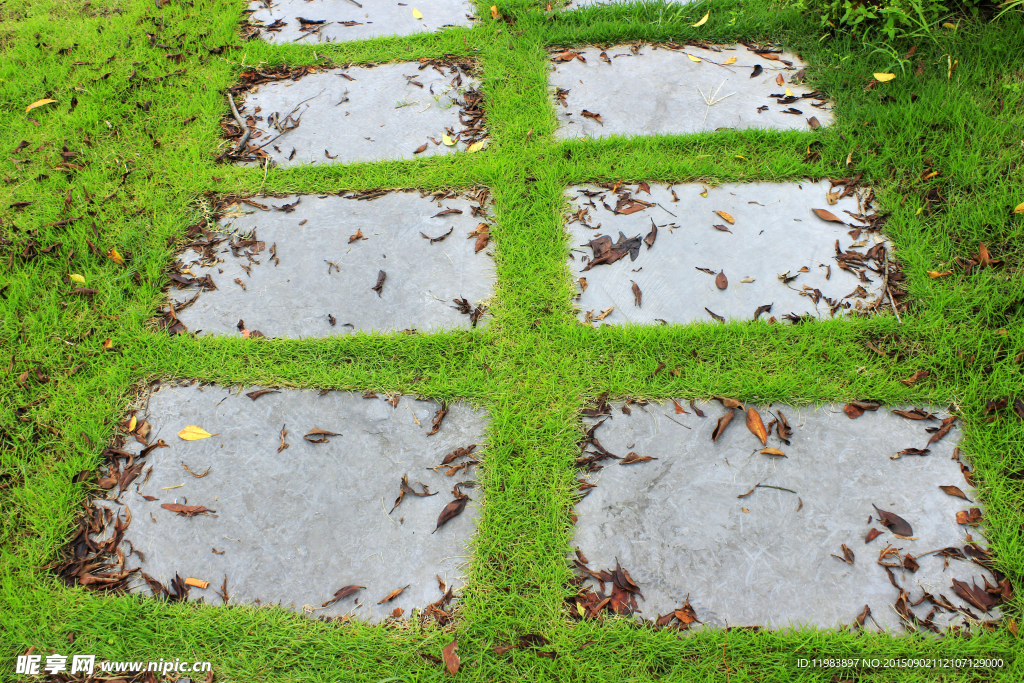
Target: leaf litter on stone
x=722 y=423
x=872 y=535
x=260 y=392
x=380 y=282
x=955 y=491
x=322 y=433
x=894 y=522
x=679 y=408
x=393 y=594
x=342 y=593
x=632 y=458
x=452 y=509
x=194 y=433
x=637 y=294
x=406 y=488
x=721 y=281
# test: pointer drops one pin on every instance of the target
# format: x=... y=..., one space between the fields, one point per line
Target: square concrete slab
x=293 y=525
x=662 y=91
x=770 y=244
x=295 y=270
x=750 y=538
x=331 y=21
x=366 y=113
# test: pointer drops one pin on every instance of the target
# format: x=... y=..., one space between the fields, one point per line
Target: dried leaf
x=679 y=408
x=702 y=21
x=357 y=236
x=693 y=58
x=393 y=594
x=321 y=433
x=637 y=294
x=872 y=535
x=115 y=257
x=947 y=424
x=583 y=284
x=419 y=150
x=972 y=516
x=75 y=277
x=721 y=281
x=379 y=287
x=756 y=426
x=726 y=217
x=452 y=509
x=772 y=451
x=847 y=557
x=342 y=593
x=814 y=123
x=38 y=103
x=494 y=15
x=451 y=660
x=779 y=80
x=757 y=71
x=731 y=60
x=260 y=392
x=723 y=422
x=714 y=315
x=632 y=458
x=186 y=510
x=955 y=491
x=476 y=146
x=193 y=433
x=894 y=522
x=919 y=375
x=884 y=77
x=827 y=215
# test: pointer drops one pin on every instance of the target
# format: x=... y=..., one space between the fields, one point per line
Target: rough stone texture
x=677 y=525
x=661 y=91
x=296 y=526
x=379 y=114
x=774 y=232
x=295 y=297
x=374 y=19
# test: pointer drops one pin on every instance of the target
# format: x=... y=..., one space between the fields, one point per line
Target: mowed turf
x=943 y=149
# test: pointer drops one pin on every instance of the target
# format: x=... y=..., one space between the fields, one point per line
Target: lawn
x=124 y=159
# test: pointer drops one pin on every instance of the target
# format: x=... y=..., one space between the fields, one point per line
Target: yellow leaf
x=948 y=25
x=37 y=103
x=789 y=93
x=934 y=273
x=726 y=217
x=416 y=14
x=1020 y=208
x=703 y=20
x=132 y=424
x=740 y=156
x=75 y=277
x=446 y=139
x=193 y=433
x=919 y=210
x=772 y=451
x=494 y=12
x=114 y=256
x=476 y=146
x=693 y=58
x=108 y=343
x=884 y=78
x=704 y=193
x=731 y=60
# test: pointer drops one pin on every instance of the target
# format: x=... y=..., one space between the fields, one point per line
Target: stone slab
x=345 y=20
x=294 y=297
x=659 y=91
x=677 y=525
x=297 y=525
x=379 y=114
x=775 y=232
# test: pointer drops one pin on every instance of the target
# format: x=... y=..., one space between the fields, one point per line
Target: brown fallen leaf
x=393 y=594
x=779 y=80
x=438 y=418
x=855 y=409
x=915 y=414
x=721 y=281
x=726 y=217
x=357 y=236
x=652 y=235
x=714 y=315
x=686 y=614
x=632 y=458
x=583 y=284
x=723 y=422
x=322 y=433
x=452 y=509
x=947 y=424
x=482 y=233
x=955 y=491
x=972 y=516
x=814 y=123
x=872 y=535
x=827 y=216
x=756 y=426
x=451 y=660
x=974 y=595
x=380 y=282
x=187 y=510
x=847 y=557
x=722 y=228
x=406 y=488
x=422 y=148
x=197 y=476
x=679 y=408
x=260 y=392
x=592 y=115
x=697 y=411
x=894 y=522
x=772 y=451
x=637 y=294
x=283 y=445
x=921 y=374
x=342 y=593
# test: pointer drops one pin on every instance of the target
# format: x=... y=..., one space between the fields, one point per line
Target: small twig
x=356 y=4
x=678 y=423
x=245 y=129
x=769 y=486
x=887 y=291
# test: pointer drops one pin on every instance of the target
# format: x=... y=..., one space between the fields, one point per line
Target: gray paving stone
x=294 y=296
x=775 y=232
x=344 y=20
x=370 y=113
x=662 y=91
x=297 y=525
x=678 y=525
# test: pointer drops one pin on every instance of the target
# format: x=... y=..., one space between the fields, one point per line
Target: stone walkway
x=353 y=506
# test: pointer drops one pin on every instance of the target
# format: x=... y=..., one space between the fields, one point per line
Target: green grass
x=966 y=330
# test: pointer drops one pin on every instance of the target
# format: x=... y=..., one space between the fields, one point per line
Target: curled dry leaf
x=393 y=594
x=357 y=236
x=342 y=593
x=321 y=433
x=827 y=216
x=872 y=535
x=772 y=451
x=723 y=422
x=730 y=402
x=756 y=426
x=972 y=516
x=194 y=433
x=451 y=660
x=632 y=458
x=678 y=407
